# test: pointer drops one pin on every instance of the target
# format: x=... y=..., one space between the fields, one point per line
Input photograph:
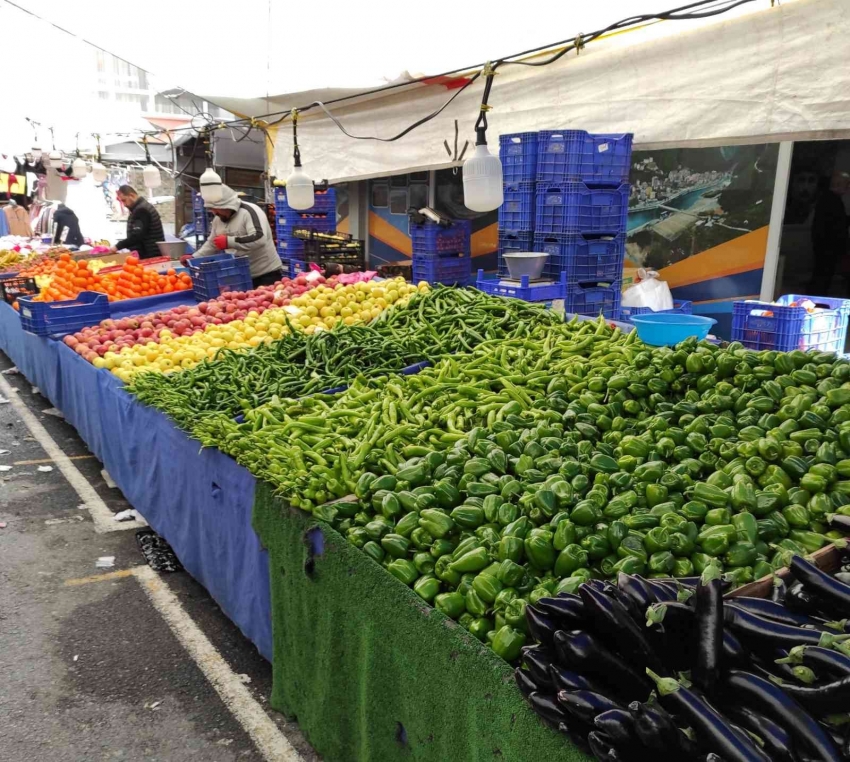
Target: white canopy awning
x=774 y=74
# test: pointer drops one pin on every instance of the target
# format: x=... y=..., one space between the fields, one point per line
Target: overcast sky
x=250 y=48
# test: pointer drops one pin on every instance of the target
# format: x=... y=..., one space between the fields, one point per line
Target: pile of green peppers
x=686 y=458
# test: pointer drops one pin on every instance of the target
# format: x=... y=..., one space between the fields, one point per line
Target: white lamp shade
x=79 y=169
x=299 y=190
x=98 y=173
x=151 y=176
x=54 y=159
x=210 y=183
x=482 y=181
x=36 y=154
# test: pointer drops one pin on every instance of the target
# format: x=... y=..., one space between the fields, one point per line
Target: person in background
x=144 y=227
x=829 y=233
x=243 y=228
x=66 y=227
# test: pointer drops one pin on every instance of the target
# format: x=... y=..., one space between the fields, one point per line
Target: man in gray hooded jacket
x=243 y=228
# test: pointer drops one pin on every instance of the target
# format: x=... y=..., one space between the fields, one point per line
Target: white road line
x=265 y=734
x=100 y=513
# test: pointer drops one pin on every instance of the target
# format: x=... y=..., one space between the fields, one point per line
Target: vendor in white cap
x=243 y=228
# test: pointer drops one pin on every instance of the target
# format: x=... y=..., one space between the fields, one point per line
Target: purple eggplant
x=826 y=660
x=711 y=728
x=822 y=699
x=822 y=585
x=564 y=680
x=585 y=704
x=637 y=589
x=583 y=653
x=745 y=689
x=547 y=707
x=777 y=593
x=768 y=634
x=526 y=685
x=613 y=622
x=541 y=627
x=618 y=725
x=709 y=616
x=566 y=610
x=777 y=741
x=776 y=612
x=657 y=730
x=537 y=662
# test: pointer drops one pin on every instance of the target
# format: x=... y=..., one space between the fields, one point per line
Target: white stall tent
x=777 y=74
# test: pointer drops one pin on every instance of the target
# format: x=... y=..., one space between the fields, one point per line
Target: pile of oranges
x=41 y=265
x=131 y=282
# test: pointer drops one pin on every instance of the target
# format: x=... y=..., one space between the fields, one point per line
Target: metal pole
x=777 y=214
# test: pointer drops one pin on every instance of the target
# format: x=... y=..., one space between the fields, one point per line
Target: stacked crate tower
x=321 y=217
x=567 y=194
x=442 y=254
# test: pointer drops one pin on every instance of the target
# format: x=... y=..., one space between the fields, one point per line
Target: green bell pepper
x=656 y=540
x=741 y=553
x=539 y=550
x=472 y=561
x=569 y=559
x=710 y=495
x=436 y=523
x=747 y=528
x=510 y=573
x=427 y=587
x=450 y=604
x=403 y=570
x=444 y=571
x=508 y=643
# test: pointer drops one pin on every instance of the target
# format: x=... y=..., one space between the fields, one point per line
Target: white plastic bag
x=649 y=292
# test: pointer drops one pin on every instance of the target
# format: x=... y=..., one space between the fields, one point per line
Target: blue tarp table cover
x=200 y=501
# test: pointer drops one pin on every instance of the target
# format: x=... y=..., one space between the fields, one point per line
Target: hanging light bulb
x=54 y=158
x=151 y=177
x=79 y=168
x=299 y=186
x=98 y=173
x=482 y=172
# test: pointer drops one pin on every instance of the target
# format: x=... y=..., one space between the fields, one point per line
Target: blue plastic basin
x=666 y=328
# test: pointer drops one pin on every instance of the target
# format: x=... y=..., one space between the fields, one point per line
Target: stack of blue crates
x=442 y=254
x=567 y=194
x=321 y=217
x=200 y=216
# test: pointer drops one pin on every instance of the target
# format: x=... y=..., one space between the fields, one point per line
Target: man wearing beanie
x=243 y=228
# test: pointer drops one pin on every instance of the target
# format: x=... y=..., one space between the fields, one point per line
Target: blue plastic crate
x=679 y=308
x=518 y=154
x=516 y=214
x=592 y=299
x=60 y=318
x=579 y=209
x=288 y=220
x=575 y=155
x=525 y=290
x=583 y=257
x=512 y=242
x=448 y=270
x=289 y=246
x=323 y=201
x=780 y=326
x=431 y=239
x=213 y=275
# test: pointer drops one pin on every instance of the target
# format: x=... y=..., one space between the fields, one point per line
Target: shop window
x=398 y=181
x=398 y=202
x=380 y=195
x=418 y=195
x=418 y=177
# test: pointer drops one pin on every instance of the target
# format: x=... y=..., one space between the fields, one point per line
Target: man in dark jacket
x=829 y=233
x=144 y=227
x=66 y=227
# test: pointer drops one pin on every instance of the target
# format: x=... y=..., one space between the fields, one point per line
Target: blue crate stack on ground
x=784 y=325
x=442 y=254
x=321 y=217
x=567 y=194
x=200 y=216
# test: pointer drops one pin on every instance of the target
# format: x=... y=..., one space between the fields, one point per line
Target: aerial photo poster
x=699 y=216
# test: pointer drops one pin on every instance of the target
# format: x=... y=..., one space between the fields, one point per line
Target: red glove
x=184 y=259
x=220 y=241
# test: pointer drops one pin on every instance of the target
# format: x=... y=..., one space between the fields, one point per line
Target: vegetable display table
x=199 y=500
x=374 y=673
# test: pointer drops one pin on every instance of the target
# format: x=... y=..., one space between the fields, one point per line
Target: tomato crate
x=583 y=257
x=60 y=318
x=581 y=209
x=448 y=270
x=510 y=242
x=594 y=299
x=323 y=201
x=12 y=288
x=679 y=308
x=288 y=221
x=430 y=239
x=518 y=154
x=576 y=155
x=784 y=327
x=516 y=214
x=525 y=289
x=213 y=275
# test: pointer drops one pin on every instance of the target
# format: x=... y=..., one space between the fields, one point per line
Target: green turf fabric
x=372 y=673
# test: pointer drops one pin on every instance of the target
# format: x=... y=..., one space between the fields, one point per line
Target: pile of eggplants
x=643 y=666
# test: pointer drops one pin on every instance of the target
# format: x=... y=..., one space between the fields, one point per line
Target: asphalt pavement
x=90 y=669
